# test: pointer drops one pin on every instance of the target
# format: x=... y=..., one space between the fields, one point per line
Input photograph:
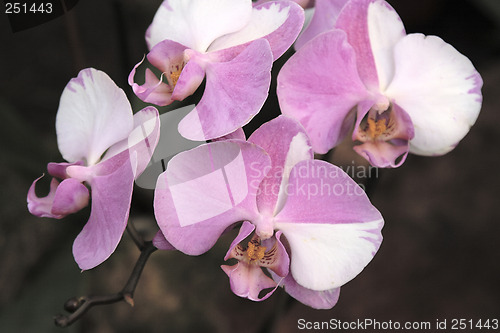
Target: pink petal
x=314 y=299
x=246 y=229
x=324 y=18
x=373 y=28
x=234 y=93
x=239 y=134
x=71 y=196
x=383 y=154
x=278 y=21
x=42 y=207
x=93 y=115
x=205 y=190
x=111 y=196
x=332 y=228
x=276 y=260
x=161 y=243
x=64 y=198
x=319 y=85
x=248 y=280
x=153 y=90
x=58 y=170
x=286 y=142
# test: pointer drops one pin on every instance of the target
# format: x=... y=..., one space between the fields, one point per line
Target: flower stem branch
x=79 y=306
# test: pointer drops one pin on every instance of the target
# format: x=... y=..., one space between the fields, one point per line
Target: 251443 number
x=26 y=8
x=462 y=324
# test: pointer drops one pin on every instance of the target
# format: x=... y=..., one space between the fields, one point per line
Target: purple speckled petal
x=234 y=93
x=245 y=230
x=319 y=85
x=276 y=258
x=332 y=228
x=207 y=189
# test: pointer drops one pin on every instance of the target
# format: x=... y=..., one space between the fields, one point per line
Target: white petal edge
x=263 y=22
x=327 y=256
x=93 y=114
x=439 y=88
x=197 y=23
x=385 y=29
x=299 y=150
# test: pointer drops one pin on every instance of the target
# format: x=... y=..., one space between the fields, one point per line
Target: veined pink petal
x=314 y=299
x=234 y=93
x=93 y=115
x=111 y=196
x=332 y=228
x=197 y=23
x=277 y=21
x=324 y=18
x=319 y=85
x=439 y=88
x=276 y=258
x=207 y=189
x=286 y=142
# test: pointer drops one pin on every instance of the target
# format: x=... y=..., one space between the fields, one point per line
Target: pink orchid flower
x=403 y=93
x=107 y=147
x=310 y=224
x=230 y=43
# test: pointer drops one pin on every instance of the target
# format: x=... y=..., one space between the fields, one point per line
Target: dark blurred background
x=440 y=255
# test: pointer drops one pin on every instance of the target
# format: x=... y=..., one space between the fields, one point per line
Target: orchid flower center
x=175 y=73
x=255 y=251
x=377 y=125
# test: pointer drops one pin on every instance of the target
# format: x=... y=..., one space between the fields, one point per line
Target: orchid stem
x=136 y=237
x=80 y=306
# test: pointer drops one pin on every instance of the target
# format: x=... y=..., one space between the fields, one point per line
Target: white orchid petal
x=93 y=115
x=197 y=23
x=439 y=88
x=385 y=29
x=326 y=256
